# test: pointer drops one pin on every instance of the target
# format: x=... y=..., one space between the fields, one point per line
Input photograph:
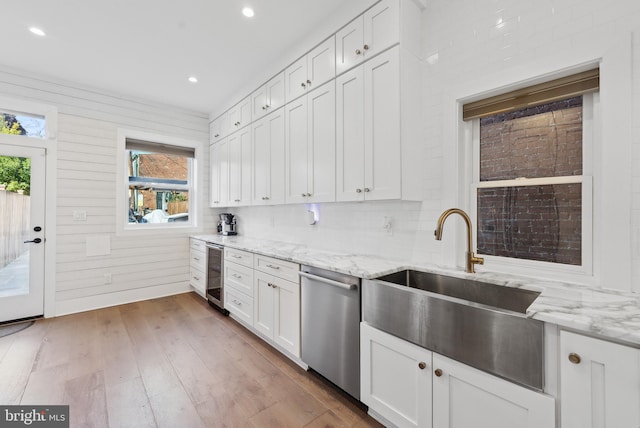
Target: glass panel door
x=22 y=234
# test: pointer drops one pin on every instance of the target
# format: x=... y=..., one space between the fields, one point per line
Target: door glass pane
x=28 y=125
x=15 y=178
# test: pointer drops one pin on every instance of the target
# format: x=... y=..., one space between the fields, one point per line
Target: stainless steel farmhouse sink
x=477 y=323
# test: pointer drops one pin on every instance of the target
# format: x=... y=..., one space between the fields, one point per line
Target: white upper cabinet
x=218 y=128
x=239 y=115
x=311 y=71
x=310 y=146
x=369 y=34
x=268 y=159
x=240 y=167
x=219 y=174
x=599 y=383
x=368 y=130
x=269 y=97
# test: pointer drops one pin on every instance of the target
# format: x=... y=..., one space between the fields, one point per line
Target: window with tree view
x=160 y=182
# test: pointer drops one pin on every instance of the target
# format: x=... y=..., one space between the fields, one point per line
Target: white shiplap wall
x=88 y=121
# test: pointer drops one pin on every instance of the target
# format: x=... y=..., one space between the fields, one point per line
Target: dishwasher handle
x=327 y=281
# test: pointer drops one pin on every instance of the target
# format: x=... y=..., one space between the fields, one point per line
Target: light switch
x=79 y=215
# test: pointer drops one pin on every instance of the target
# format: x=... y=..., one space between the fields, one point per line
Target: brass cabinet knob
x=422 y=365
x=574 y=358
x=358 y=52
x=366 y=47
x=438 y=372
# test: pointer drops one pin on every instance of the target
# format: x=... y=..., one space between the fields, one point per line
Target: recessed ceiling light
x=248 y=12
x=193 y=79
x=37 y=31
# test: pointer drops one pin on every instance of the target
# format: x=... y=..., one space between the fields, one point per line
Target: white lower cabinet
x=276 y=310
x=198 y=266
x=464 y=397
x=238 y=284
x=599 y=383
x=410 y=386
x=395 y=378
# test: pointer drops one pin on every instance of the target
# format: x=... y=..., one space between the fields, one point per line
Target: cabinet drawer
x=276 y=267
x=244 y=258
x=239 y=277
x=198 y=281
x=196 y=244
x=198 y=260
x=239 y=305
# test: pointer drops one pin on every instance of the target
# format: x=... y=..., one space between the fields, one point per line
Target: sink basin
x=482 y=293
x=480 y=324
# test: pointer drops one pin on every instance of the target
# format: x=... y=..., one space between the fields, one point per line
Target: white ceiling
x=148 y=48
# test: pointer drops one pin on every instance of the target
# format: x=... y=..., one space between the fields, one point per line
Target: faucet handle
x=477 y=260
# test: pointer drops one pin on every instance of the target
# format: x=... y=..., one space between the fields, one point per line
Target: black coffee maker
x=227 y=224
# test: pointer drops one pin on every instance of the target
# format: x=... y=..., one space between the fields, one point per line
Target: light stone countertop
x=610 y=314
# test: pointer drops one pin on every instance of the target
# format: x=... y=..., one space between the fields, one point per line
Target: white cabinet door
x=269 y=97
x=349 y=42
x=350 y=135
x=259 y=102
x=286 y=311
x=239 y=115
x=297 y=153
x=321 y=140
x=296 y=79
x=261 y=162
x=310 y=146
x=240 y=167
x=599 y=383
x=311 y=71
x=395 y=378
x=321 y=64
x=464 y=397
x=269 y=159
x=218 y=174
x=263 y=303
x=368 y=35
x=368 y=130
x=381 y=27
x=218 y=128
x=382 y=157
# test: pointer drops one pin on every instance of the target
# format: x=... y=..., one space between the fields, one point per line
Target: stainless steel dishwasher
x=331 y=326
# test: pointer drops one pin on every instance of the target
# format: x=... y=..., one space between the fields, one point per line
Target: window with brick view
x=540 y=145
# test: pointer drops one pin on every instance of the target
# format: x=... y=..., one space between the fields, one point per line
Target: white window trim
x=123 y=227
x=557 y=271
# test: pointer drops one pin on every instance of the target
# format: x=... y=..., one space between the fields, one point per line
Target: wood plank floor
x=170 y=362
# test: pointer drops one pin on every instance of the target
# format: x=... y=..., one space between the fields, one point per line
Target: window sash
x=522 y=182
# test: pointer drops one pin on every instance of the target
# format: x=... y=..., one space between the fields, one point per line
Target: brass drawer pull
x=574 y=358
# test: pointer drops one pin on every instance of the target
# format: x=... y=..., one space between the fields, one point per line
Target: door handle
x=35 y=241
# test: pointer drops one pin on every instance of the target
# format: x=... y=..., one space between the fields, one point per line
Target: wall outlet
x=387 y=225
x=107 y=278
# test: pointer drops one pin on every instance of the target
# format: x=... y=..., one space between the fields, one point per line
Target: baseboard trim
x=89 y=303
